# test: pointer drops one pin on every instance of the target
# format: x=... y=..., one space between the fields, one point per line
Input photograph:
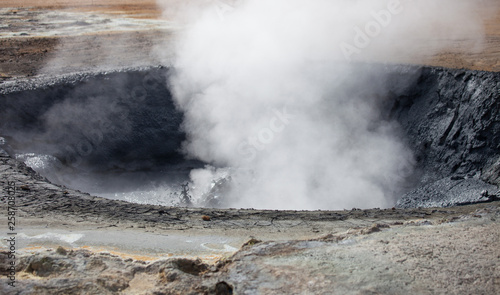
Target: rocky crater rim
x=449 y=118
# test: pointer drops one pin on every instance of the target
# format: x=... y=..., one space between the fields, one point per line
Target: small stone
x=374 y=228
x=252 y=242
x=60 y=250
x=206 y=218
x=223 y=288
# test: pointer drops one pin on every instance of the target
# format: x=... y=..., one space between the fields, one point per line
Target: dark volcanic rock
x=452 y=122
x=121 y=120
x=448 y=192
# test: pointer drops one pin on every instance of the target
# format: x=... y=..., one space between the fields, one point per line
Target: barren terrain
x=28 y=44
x=69 y=242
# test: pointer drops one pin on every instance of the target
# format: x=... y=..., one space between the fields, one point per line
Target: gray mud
x=132 y=132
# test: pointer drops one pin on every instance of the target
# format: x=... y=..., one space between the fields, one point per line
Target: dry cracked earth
x=69 y=242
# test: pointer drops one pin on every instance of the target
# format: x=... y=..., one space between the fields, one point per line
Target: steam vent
x=250 y=147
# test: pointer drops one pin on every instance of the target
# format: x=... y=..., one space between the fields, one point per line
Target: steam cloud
x=275 y=90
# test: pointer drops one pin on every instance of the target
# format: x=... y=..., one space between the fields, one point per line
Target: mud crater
x=103 y=128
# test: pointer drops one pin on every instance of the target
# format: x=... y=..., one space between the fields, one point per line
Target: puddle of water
x=128 y=244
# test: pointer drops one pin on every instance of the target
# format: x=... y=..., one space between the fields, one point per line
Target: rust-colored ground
x=488 y=59
x=138 y=8
x=27 y=55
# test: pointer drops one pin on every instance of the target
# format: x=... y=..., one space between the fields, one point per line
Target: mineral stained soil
x=73 y=243
x=70 y=242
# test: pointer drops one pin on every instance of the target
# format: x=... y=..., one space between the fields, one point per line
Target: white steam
x=270 y=89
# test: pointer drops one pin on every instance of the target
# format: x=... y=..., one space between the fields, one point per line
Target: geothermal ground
x=70 y=242
x=82 y=35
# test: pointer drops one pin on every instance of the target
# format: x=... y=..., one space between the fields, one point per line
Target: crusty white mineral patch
x=48 y=23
